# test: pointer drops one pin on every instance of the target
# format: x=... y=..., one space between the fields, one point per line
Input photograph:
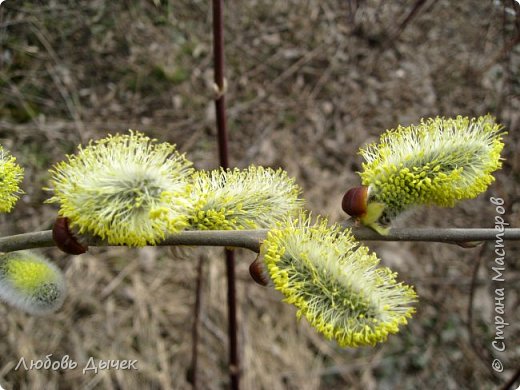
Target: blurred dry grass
x=309 y=83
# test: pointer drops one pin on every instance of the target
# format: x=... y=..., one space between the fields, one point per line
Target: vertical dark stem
x=220 y=106
x=192 y=377
x=234 y=363
x=220 y=102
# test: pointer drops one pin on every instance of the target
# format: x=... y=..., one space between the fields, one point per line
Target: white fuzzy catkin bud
x=31 y=283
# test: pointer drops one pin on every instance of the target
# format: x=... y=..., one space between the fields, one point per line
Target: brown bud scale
x=256 y=270
x=64 y=239
x=355 y=200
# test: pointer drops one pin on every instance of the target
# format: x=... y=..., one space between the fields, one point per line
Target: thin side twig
x=411 y=14
x=510 y=383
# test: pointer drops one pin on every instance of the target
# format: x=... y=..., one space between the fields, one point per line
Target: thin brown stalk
x=193 y=374
x=413 y=13
x=220 y=107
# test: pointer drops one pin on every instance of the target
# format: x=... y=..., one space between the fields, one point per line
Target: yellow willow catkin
x=127 y=188
x=335 y=282
x=438 y=162
x=31 y=283
x=251 y=198
x=11 y=175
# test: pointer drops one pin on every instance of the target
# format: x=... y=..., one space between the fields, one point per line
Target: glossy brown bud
x=354 y=202
x=257 y=272
x=64 y=239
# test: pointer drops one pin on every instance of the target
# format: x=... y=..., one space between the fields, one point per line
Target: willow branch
x=251 y=239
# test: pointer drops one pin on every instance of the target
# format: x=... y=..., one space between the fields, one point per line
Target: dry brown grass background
x=309 y=83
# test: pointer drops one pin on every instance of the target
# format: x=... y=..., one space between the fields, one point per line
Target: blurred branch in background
x=197 y=311
x=251 y=239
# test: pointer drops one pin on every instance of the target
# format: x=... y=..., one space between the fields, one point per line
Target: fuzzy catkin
x=235 y=199
x=335 y=282
x=11 y=175
x=128 y=188
x=438 y=162
x=31 y=283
